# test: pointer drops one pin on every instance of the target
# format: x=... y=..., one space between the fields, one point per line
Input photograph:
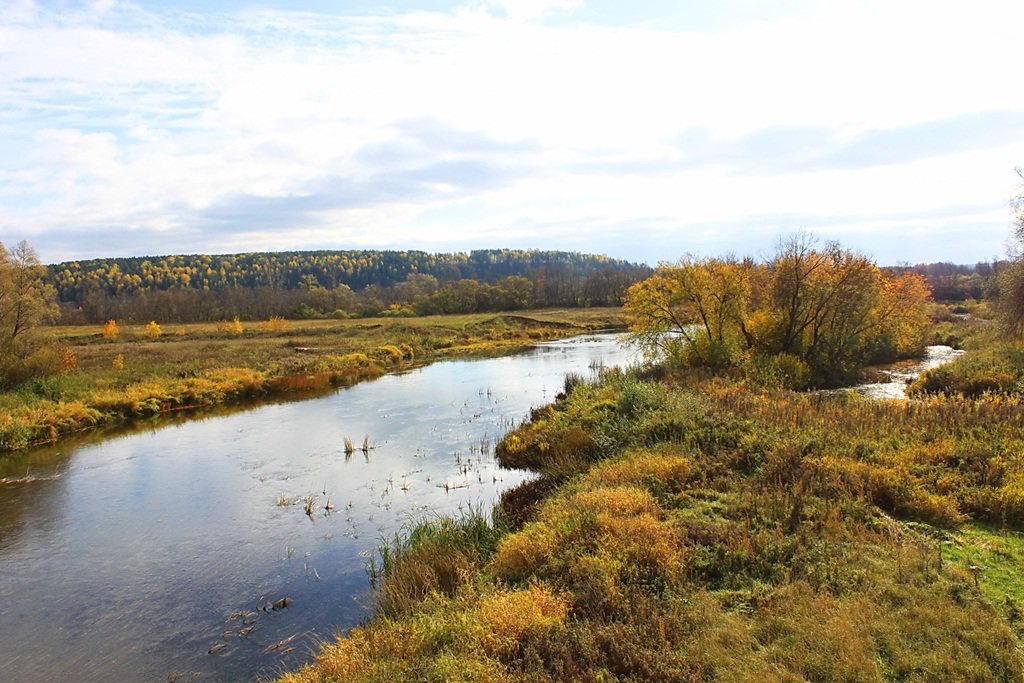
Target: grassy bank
x=139 y=373
x=687 y=528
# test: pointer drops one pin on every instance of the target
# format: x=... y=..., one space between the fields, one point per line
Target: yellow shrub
x=507 y=615
x=152 y=330
x=522 y=554
x=110 y=330
x=620 y=500
x=233 y=326
x=513 y=444
x=642 y=469
x=339 y=661
x=390 y=354
x=276 y=323
x=642 y=540
x=595 y=579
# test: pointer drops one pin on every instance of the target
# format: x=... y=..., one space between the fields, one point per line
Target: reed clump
x=432 y=556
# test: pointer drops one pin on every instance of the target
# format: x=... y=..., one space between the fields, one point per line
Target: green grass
x=999 y=555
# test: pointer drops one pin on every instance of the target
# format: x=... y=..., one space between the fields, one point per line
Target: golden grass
x=137 y=372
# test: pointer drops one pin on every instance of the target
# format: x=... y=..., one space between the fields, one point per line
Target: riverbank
x=692 y=528
x=141 y=372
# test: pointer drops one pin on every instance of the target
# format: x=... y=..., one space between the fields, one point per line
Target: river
x=897 y=376
x=160 y=553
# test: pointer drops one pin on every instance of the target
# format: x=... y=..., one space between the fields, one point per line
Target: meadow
x=119 y=373
x=690 y=527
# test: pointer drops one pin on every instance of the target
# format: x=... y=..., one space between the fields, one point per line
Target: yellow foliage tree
x=110 y=329
x=152 y=330
x=26 y=299
x=903 y=312
x=830 y=308
x=699 y=303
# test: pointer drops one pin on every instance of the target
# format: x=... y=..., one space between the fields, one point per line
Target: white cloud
x=122 y=117
x=534 y=9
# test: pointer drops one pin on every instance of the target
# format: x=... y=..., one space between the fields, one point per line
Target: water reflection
x=160 y=554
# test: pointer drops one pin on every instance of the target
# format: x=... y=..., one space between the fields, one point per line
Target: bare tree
x=1010 y=282
x=1017 y=207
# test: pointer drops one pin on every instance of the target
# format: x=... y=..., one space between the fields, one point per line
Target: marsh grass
x=996 y=368
x=434 y=555
x=310 y=504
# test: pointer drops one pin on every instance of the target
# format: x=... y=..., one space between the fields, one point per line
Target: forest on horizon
x=361 y=283
x=352 y=283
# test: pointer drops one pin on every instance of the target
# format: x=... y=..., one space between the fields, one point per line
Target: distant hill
x=356 y=269
x=218 y=284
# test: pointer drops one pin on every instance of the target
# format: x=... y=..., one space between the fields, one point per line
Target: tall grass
x=434 y=555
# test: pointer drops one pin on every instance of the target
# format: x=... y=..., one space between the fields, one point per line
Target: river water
x=159 y=554
x=896 y=376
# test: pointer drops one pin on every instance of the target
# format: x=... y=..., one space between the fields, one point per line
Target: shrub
x=661 y=471
x=507 y=615
x=233 y=326
x=779 y=371
x=602 y=543
x=390 y=354
x=276 y=323
x=45 y=361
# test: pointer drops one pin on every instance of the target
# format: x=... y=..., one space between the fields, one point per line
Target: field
x=145 y=370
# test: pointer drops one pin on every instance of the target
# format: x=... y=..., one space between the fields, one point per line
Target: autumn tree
x=824 y=302
x=26 y=301
x=693 y=307
x=822 y=308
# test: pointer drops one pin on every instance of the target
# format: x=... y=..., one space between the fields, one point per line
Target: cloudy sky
x=641 y=129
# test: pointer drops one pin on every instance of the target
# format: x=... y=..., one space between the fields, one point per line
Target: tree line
x=952 y=282
x=187 y=288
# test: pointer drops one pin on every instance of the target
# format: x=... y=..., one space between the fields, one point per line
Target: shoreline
x=47 y=422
